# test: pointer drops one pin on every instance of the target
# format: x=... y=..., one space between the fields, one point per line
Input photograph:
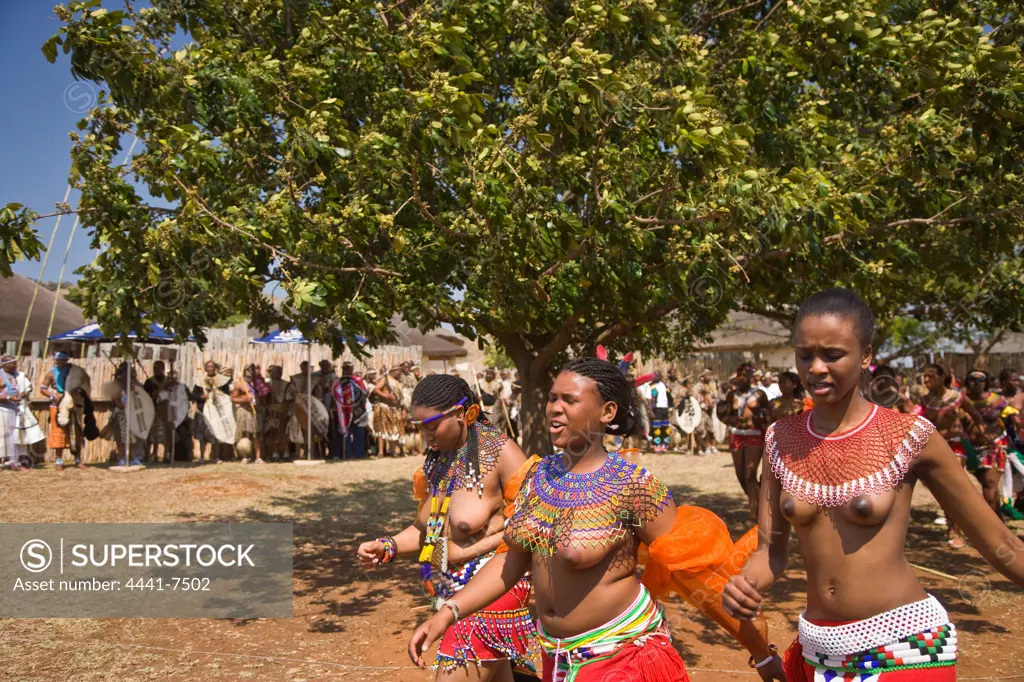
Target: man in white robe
x=19 y=427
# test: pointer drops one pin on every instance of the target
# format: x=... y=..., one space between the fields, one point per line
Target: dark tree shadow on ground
x=328 y=526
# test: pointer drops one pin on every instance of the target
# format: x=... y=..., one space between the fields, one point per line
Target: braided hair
x=614 y=388
x=443 y=391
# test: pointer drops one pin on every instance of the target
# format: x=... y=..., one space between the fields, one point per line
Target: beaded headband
x=440 y=415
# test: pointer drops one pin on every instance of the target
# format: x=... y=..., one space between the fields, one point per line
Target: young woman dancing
x=989 y=443
x=747 y=410
x=471 y=467
x=843 y=476
x=951 y=415
x=578 y=523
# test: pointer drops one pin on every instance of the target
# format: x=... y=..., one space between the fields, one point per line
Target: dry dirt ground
x=352 y=624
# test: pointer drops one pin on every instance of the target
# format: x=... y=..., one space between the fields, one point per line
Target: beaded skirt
x=503 y=630
x=914 y=642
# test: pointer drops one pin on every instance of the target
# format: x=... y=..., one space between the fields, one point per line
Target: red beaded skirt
x=502 y=631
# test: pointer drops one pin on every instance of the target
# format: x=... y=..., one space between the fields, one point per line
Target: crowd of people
x=831 y=450
x=841 y=445
x=253 y=418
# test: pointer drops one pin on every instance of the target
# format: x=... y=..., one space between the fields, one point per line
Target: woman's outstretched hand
x=370 y=553
x=427 y=634
x=741 y=599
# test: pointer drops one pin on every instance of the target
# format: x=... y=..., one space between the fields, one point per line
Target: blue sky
x=41 y=104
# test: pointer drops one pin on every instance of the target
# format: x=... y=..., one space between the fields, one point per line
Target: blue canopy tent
x=91 y=333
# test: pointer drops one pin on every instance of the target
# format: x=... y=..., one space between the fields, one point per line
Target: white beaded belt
x=877 y=631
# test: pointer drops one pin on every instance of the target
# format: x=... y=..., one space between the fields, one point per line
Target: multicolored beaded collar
x=446 y=473
x=559 y=508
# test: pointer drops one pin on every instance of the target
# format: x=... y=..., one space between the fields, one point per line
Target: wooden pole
x=60 y=281
x=42 y=270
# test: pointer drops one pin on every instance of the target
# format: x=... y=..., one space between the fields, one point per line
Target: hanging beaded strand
x=446 y=472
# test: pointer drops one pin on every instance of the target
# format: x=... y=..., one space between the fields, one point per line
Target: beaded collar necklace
x=870 y=458
x=559 y=508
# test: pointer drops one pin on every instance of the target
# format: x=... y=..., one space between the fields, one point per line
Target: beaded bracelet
x=390 y=549
x=450 y=603
x=773 y=652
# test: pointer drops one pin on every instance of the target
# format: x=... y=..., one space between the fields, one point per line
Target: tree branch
x=651 y=195
x=425 y=210
x=704 y=23
x=778 y=315
x=875 y=229
x=620 y=329
x=902 y=351
x=569 y=257
x=778 y=4
x=68 y=212
x=153 y=209
x=662 y=222
x=559 y=343
x=993 y=340
x=273 y=250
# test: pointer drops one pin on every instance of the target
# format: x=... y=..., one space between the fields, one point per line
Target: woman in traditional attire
x=578 y=524
x=19 y=428
x=988 y=443
x=951 y=415
x=68 y=436
x=843 y=475
x=747 y=411
x=471 y=472
x=250 y=397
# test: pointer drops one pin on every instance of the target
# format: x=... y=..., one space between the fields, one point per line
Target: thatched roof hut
x=16 y=294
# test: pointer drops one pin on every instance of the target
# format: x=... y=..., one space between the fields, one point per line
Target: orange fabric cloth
x=696 y=559
x=513 y=484
x=58 y=437
x=511 y=491
x=420 y=492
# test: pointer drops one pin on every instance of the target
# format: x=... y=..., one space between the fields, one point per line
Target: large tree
x=552 y=174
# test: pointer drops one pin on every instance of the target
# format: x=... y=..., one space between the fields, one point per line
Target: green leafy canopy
x=554 y=174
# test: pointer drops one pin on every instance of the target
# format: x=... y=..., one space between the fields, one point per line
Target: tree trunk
x=535 y=379
x=534 y=422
